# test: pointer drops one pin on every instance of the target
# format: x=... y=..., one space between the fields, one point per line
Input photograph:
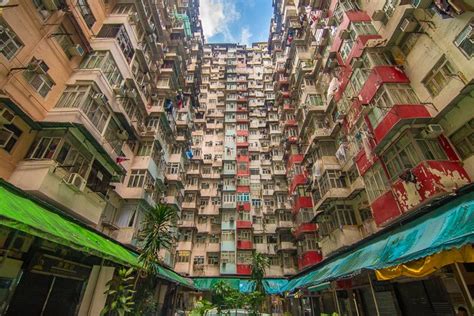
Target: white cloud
x=245 y=36
x=216 y=17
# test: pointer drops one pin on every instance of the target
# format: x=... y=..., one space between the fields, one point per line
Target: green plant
x=201 y=308
x=226 y=297
x=120 y=293
x=156 y=234
x=253 y=301
x=260 y=263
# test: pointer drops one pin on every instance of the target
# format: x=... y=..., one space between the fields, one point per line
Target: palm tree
x=156 y=233
x=260 y=263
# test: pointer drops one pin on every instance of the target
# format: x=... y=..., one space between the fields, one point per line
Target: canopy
x=19 y=212
x=449 y=226
x=186 y=24
x=272 y=286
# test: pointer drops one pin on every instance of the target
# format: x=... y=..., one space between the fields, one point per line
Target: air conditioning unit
x=345 y=34
x=122 y=135
x=38 y=66
x=378 y=15
x=133 y=17
x=76 y=181
x=76 y=50
x=6 y=117
x=408 y=25
x=432 y=131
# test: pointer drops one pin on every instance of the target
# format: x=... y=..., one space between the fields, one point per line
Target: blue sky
x=236 y=21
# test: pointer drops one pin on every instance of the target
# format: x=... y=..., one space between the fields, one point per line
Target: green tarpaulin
x=19 y=212
x=448 y=226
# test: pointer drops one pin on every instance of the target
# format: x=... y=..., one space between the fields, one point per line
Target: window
x=86 y=12
x=463 y=139
x=228 y=257
x=389 y=7
x=10 y=44
x=439 y=76
x=375 y=182
x=465 y=42
x=312 y=99
x=198 y=260
x=329 y=180
x=64 y=40
x=137 y=178
x=214 y=239
x=365 y=214
x=9 y=135
x=228 y=236
x=39 y=80
x=258 y=239
x=408 y=152
x=213 y=258
x=183 y=256
x=45 y=148
x=145 y=148
x=119 y=32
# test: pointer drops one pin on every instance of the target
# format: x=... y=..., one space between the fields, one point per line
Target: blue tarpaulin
x=272 y=286
x=449 y=226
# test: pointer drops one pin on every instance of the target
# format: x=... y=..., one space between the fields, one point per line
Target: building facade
x=97 y=100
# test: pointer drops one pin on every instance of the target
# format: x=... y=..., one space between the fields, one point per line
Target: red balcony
x=242 y=158
x=291 y=123
x=309 y=258
x=285 y=94
x=244 y=244
x=377 y=77
x=385 y=208
x=242 y=133
x=302 y=202
x=432 y=177
x=244 y=224
x=243 y=206
x=398 y=116
x=242 y=109
x=288 y=107
x=363 y=162
x=244 y=269
x=242 y=144
x=304 y=228
x=299 y=179
x=293 y=159
x=242 y=99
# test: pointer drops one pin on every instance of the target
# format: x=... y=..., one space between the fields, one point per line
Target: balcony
x=299 y=179
x=286 y=246
x=244 y=245
x=398 y=117
x=45 y=179
x=309 y=258
x=302 y=202
x=342 y=236
x=244 y=269
x=385 y=208
x=126 y=235
x=304 y=229
x=242 y=224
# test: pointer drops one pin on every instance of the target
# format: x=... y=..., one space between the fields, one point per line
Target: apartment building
x=376 y=100
x=236 y=195
x=97 y=100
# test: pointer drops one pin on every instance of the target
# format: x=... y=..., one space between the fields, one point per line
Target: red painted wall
x=379 y=76
x=385 y=208
x=302 y=202
x=244 y=244
x=309 y=258
x=244 y=224
x=245 y=269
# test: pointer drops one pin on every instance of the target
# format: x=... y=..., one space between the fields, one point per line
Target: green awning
x=19 y=212
x=449 y=226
